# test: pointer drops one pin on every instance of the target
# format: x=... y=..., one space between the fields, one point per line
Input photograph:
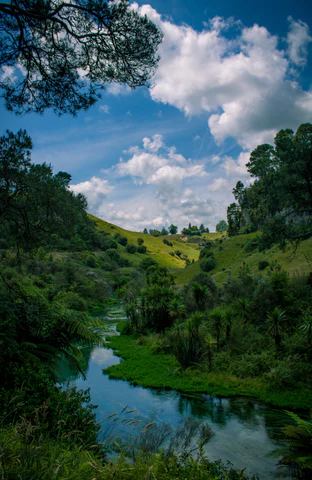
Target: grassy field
x=142 y=367
x=230 y=253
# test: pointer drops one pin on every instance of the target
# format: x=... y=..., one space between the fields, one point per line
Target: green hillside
x=230 y=253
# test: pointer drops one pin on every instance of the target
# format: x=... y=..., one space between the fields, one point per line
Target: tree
x=216 y=317
x=275 y=321
x=239 y=193
x=59 y=55
x=233 y=218
x=34 y=203
x=306 y=327
x=221 y=226
x=173 y=229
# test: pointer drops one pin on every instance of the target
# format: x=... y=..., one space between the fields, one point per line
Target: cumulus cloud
x=298 y=39
x=159 y=165
x=95 y=190
x=153 y=145
x=241 y=80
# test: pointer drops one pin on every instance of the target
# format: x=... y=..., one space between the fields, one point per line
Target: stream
x=246 y=431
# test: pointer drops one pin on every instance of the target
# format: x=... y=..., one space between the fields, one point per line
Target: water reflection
x=246 y=431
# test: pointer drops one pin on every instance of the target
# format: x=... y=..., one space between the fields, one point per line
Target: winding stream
x=245 y=431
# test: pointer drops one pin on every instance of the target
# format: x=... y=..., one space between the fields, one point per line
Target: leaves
x=67 y=51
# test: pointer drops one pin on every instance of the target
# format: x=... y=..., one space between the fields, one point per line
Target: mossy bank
x=142 y=367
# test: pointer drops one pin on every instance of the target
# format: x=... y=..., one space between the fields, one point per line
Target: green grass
x=142 y=367
x=155 y=246
x=230 y=254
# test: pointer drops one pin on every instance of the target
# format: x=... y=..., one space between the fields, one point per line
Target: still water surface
x=245 y=431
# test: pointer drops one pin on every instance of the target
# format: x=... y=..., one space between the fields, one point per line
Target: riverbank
x=144 y=368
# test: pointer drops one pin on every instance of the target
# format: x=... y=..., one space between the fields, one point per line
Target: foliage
x=194 y=230
x=35 y=204
x=221 y=226
x=131 y=248
x=297 y=454
x=208 y=264
x=167 y=242
x=173 y=229
x=68 y=51
x=279 y=201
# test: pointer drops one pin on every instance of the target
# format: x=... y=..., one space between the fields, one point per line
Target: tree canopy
x=57 y=54
x=279 y=202
x=34 y=202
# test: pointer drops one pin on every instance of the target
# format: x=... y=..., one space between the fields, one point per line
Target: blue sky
x=231 y=75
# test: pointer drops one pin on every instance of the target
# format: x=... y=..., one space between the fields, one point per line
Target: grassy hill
x=230 y=253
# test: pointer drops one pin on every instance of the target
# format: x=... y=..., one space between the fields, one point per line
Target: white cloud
x=95 y=190
x=219 y=183
x=117 y=89
x=298 y=39
x=7 y=74
x=104 y=108
x=240 y=80
x=141 y=166
x=236 y=169
x=165 y=170
x=153 y=145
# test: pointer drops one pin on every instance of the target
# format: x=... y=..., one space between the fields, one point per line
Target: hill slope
x=230 y=253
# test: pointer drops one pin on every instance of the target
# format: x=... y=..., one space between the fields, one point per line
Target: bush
x=204 y=278
x=208 y=264
x=141 y=249
x=166 y=242
x=251 y=245
x=72 y=300
x=263 y=264
x=131 y=248
x=122 y=241
x=140 y=241
x=147 y=263
x=113 y=254
x=90 y=261
x=205 y=252
x=108 y=242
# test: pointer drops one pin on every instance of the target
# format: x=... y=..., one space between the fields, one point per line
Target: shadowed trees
x=60 y=55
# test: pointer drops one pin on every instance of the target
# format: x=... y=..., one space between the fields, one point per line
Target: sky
x=231 y=75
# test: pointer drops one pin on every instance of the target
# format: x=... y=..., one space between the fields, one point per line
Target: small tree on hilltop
x=221 y=226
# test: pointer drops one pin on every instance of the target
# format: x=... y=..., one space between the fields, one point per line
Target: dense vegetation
x=238 y=323
x=279 y=202
x=55 y=268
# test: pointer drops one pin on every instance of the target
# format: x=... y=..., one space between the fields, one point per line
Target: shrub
x=208 y=264
x=131 y=248
x=113 y=254
x=141 y=249
x=251 y=245
x=147 y=263
x=90 y=261
x=122 y=241
x=263 y=264
x=140 y=241
x=167 y=242
x=206 y=252
x=108 y=242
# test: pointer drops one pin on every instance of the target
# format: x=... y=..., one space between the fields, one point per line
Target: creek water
x=245 y=431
